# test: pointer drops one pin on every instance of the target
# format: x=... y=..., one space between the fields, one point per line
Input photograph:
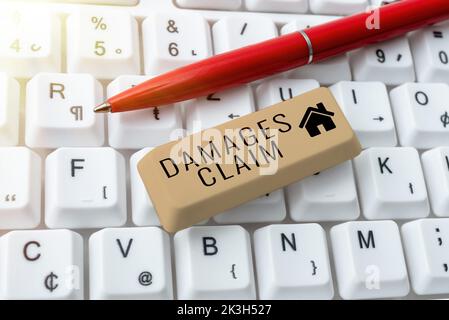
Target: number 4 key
x=29 y=43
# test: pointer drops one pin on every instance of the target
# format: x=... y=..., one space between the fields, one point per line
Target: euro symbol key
x=49 y=282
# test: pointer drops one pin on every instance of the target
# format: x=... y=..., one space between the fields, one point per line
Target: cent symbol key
x=41 y=264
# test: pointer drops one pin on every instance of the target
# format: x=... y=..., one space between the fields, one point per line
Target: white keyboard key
x=214 y=263
x=391 y=184
x=369 y=261
x=130 y=263
x=426 y=244
x=294 y=6
x=326 y=72
x=9 y=110
x=141 y=128
x=292 y=262
x=174 y=40
x=231 y=33
x=340 y=7
x=85 y=188
x=104 y=43
x=41 y=264
x=430 y=49
x=422 y=114
x=366 y=105
x=20 y=188
x=436 y=170
x=217 y=108
x=274 y=91
x=69 y=99
x=30 y=42
x=207 y=4
x=143 y=212
x=267 y=208
x=390 y=62
x=327 y=196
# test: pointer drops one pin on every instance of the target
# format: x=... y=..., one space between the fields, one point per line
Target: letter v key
x=128 y=247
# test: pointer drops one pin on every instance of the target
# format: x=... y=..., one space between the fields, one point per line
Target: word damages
x=219 y=168
x=244 y=149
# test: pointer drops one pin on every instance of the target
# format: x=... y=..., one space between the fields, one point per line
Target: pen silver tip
x=103 y=108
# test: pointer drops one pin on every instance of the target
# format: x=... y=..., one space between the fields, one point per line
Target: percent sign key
x=100 y=24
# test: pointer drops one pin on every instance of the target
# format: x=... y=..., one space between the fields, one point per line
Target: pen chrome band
x=309 y=45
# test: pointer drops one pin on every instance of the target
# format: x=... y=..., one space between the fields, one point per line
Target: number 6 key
x=171 y=41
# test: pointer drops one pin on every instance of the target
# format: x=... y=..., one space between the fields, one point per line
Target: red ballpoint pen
x=241 y=66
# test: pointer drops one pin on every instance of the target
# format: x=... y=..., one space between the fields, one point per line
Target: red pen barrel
x=257 y=61
x=342 y=35
x=217 y=73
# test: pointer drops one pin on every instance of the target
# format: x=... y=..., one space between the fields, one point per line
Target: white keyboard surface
x=76 y=222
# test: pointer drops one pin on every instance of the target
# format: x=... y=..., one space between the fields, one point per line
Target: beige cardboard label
x=219 y=168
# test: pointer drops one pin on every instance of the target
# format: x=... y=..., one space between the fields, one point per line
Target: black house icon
x=315 y=117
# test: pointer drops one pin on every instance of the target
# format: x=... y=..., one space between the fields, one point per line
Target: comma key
x=220 y=168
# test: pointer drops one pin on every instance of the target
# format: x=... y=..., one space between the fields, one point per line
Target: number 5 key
x=102 y=43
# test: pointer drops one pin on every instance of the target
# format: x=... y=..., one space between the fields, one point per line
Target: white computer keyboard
x=77 y=223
